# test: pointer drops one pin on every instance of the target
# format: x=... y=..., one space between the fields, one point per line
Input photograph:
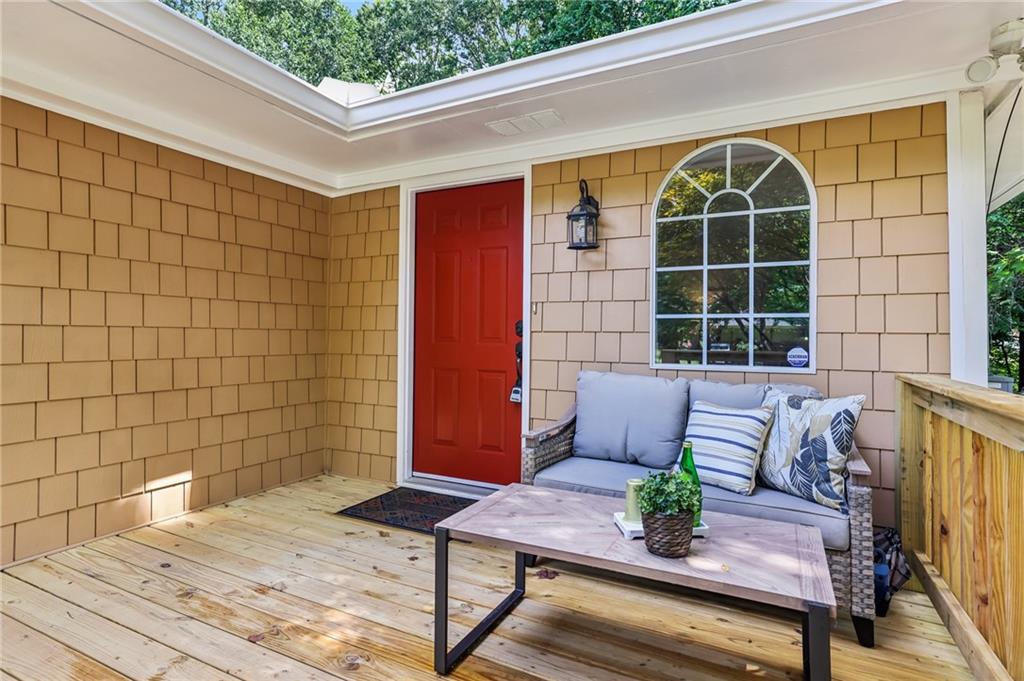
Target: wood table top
x=765 y=561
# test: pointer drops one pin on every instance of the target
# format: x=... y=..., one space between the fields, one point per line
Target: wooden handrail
x=986 y=400
x=960 y=452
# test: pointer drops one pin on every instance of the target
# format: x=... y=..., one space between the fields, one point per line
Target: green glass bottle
x=688 y=468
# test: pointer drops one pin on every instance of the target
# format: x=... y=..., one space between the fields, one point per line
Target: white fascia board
x=158 y=27
x=745 y=20
x=906 y=91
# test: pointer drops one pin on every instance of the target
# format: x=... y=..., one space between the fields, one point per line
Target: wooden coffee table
x=760 y=561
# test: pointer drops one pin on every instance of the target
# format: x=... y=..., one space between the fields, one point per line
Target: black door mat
x=410 y=509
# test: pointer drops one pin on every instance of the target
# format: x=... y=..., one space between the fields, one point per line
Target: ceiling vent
x=531 y=122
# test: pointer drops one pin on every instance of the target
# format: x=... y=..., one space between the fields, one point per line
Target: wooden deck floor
x=275 y=586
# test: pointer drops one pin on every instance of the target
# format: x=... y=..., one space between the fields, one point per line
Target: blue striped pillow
x=727 y=444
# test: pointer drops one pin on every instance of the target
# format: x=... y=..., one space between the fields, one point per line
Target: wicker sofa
x=548 y=461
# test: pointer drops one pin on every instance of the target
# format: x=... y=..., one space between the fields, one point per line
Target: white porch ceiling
x=142 y=69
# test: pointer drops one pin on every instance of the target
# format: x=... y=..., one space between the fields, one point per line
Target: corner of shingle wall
x=362 y=323
x=163 y=331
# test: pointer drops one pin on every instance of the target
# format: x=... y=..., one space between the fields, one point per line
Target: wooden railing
x=961 y=498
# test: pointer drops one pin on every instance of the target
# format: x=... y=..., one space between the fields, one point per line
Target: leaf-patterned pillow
x=808 y=446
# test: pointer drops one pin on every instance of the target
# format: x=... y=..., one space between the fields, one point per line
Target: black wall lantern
x=583 y=221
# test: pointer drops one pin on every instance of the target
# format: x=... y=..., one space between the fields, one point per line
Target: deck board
x=276 y=586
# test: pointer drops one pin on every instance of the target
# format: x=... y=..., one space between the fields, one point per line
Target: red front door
x=469 y=284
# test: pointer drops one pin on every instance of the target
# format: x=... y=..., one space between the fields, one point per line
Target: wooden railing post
x=960 y=452
x=910 y=463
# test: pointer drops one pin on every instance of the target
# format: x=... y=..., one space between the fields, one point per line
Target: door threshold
x=456 y=489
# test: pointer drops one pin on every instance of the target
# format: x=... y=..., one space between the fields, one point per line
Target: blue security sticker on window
x=797 y=357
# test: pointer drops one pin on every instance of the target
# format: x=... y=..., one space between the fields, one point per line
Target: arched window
x=733 y=254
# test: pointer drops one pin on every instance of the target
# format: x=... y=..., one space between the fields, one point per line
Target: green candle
x=633 y=500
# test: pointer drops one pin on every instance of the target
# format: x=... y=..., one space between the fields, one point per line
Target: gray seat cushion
x=771 y=504
x=630 y=419
x=591 y=476
x=608 y=478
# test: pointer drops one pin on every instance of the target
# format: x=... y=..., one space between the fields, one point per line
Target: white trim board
x=406 y=294
x=968 y=265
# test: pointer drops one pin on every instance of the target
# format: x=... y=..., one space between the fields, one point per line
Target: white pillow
x=808 y=446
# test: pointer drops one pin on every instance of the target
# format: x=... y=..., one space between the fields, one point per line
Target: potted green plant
x=668 y=502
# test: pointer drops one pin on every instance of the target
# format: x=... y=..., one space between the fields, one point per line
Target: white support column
x=968 y=292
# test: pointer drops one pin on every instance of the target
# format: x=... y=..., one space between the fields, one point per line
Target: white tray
x=635 y=530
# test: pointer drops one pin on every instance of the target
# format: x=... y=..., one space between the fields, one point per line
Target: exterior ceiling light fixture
x=582 y=221
x=1006 y=39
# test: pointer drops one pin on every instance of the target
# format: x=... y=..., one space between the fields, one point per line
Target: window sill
x=735 y=368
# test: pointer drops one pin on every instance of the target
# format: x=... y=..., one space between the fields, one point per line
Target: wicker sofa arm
x=860 y=471
x=862 y=551
x=546 y=446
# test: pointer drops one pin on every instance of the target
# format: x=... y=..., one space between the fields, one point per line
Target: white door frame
x=407 y=295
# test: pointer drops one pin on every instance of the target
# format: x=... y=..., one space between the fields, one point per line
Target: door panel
x=469 y=283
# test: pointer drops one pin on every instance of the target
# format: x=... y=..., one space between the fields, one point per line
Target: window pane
x=784 y=186
x=708 y=169
x=729 y=291
x=680 y=198
x=728 y=342
x=782 y=236
x=680 y=292
x=738 y=250
x=681 y=243
x=781 y=289
x=728 y=240
x=748 y=163
x=678 y=341
x=781 y=342
x=728 y=202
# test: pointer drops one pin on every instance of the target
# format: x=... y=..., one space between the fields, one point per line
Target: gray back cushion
x=630 y=419
x=735 y=395
x=796 y=389
x=743 y=395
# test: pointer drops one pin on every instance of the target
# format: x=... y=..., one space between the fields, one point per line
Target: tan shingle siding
x=118 y=284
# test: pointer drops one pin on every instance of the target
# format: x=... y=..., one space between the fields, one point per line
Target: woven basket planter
x=668 y=535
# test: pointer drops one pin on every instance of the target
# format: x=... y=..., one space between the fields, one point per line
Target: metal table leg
x=817 y=627
x=445 y=661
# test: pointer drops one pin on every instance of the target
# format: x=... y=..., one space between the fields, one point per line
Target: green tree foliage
x=407 y=42
x=311 y=39
x=398 y=44
x=573 y=21
x=1006 y=290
